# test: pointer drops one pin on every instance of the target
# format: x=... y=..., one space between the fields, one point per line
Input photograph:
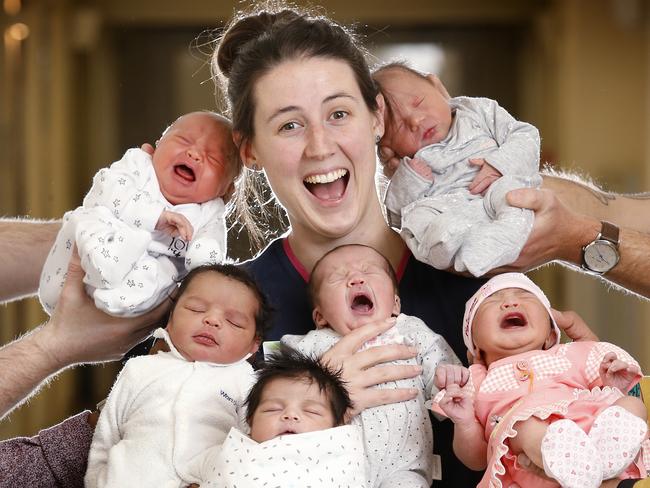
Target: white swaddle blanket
x=324 y=458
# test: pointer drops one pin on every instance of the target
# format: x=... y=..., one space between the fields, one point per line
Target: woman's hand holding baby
x=361 y=370
x=617 y=373
x=175 y=224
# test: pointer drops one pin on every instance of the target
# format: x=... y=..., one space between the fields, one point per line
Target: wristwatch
x=601 y=254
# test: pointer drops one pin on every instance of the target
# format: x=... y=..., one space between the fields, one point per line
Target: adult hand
x=361 y=370
x=573 y=326
x=388 y=159
x=487 y=174
x=78 y=332
x=558 y=233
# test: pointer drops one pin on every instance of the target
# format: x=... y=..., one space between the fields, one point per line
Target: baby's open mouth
x=362 y=303
x=514 y=320
x=185 y=172
x=328 y=186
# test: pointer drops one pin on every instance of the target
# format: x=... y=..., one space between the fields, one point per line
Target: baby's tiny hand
x=487 y=175
x=458 y=405
x=450 y=374
x=616 y=373
x=421 y=168
x=175 y=224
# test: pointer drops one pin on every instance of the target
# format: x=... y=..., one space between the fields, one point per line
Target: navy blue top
x=436 y=297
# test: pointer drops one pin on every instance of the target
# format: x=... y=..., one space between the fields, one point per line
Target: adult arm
x=76 y=333
x=25 y=245
x=566 y=221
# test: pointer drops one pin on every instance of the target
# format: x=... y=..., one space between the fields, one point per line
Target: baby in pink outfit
x=563 y=405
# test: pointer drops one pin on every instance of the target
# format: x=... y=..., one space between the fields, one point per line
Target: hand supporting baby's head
x=508 y=315
x=295 y=394
x=353 y=285
x=219 y=315
x=196 y=160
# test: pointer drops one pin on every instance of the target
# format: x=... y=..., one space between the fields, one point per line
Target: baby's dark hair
x=314 y=284
x=237 y=273
x=288 y=363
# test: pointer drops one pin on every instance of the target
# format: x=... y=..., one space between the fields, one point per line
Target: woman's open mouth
x=328 y=186
x=184 y=172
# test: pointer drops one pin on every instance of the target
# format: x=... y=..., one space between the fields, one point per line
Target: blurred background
x=83 y=80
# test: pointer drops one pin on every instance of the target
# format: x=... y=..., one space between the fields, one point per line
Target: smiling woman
x=306 y=112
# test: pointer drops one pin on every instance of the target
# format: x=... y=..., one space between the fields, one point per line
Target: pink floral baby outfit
x=561 y=382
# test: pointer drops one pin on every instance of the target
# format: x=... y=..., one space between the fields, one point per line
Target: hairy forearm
x=470 y=446
x=26 y=364
x=25 y=245
x=631 y=211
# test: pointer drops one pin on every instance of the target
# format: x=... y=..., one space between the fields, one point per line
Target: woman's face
x=315 y=139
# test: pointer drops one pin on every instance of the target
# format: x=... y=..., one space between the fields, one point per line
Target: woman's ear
x=318 y=318
x=246 y=151
x=378 y=125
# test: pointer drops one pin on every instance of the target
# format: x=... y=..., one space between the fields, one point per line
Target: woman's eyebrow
x=291 y=108
x=281 y=111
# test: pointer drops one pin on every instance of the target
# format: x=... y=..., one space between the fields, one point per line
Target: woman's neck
x=308 y=246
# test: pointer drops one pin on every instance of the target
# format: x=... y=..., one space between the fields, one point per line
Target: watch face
x=601 y=256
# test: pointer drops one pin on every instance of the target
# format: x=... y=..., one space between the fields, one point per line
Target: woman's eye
x=339 y=114
x=289 y=126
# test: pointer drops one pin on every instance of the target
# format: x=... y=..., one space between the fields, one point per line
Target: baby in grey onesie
x=352 y=286
x=443 y=143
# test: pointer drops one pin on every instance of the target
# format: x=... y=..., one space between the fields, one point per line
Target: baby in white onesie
x=455 y=160
x=353 y=285
x=296 y=411
x=148 y=219
x=165 y=410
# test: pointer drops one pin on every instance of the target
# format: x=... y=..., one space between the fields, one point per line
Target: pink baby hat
x=500 y=282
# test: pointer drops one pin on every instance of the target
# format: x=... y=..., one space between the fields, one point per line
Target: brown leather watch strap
x=609 y=232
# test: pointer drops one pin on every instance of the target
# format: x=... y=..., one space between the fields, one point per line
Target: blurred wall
x=83 y=80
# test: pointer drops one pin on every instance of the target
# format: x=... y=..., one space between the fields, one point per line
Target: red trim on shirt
x=294 y=260
x=401 y=268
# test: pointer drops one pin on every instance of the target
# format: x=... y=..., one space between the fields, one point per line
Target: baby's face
x=509 y=322
x=419 y=114
x=353 y=289
x=214 y=320
x=290 y=406
x=193 y=160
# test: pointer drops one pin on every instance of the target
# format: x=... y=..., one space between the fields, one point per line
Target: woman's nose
x=317 y=143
